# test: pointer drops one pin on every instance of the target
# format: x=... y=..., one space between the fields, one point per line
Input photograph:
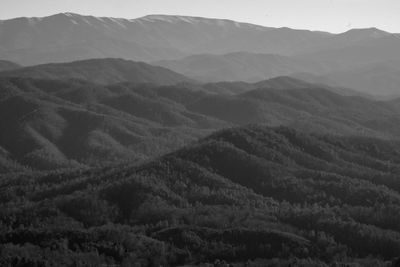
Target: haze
x=326 y=15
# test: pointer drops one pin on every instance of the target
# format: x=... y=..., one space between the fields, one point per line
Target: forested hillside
x=51 y=124
x=252 y=193
x=101 y=71
x=312 y=108
x=173 y=140
x=8 y=65
x=72 y=123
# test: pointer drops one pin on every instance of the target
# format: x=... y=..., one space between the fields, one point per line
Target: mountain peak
x=196 y=20
x=70 y=14
x=170 y=18
x=366 y=32
x=64 y=15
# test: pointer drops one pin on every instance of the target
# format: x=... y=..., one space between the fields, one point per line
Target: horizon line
x=200 y=17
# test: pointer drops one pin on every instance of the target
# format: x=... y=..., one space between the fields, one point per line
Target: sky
x=325 y=15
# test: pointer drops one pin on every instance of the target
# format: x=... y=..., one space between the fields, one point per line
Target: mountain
x=379 y=79
x=207 y=49
x=245 y=146
x=361 y=35
x=8 y=65
x=304 y=81
x=241 y=66
x=101 y=71
x=366 y=60
x=312 y=108
x=253 y=195
x=353 y=37
x=376 y=78
x=51 y=124
x=289 y=82
x=375 y=47
x=67 y=36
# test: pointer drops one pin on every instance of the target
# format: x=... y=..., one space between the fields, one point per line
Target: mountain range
x=68 y=36
x=381 y=79
x=101 y=71
x=183 y=141
x=241 y=66
x=92 y=112
x=209 y=50
x=50 y=124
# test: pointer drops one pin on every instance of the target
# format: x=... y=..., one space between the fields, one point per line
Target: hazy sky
x=327 y=15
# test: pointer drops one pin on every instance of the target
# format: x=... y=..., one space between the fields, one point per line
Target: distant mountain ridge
x=239 y=66
x=380 y=79
x=245 y=66
x=211 y=50
x=281 y=83
x=8 y=65
x=101 y=71
x=67 y=36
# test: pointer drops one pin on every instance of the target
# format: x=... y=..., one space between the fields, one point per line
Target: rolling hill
x=101 y=71
x=185 y=141
x=8 y=65
x=254 y=194
x=246 y=67
x=375 y=78
x=48 y=124
x=51 y=124
x=311 y=108
x=304 y=81
x=379 y=78
x=239 y=66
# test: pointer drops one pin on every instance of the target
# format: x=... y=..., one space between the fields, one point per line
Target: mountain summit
x=68 y=36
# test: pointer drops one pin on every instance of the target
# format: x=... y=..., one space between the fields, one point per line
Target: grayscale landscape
x=179 y=140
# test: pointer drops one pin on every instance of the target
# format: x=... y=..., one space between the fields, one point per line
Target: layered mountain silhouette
x=180 y=141
x=68 y=36
x=49 y=124
x=252 y=67
x=377 y=78
x=359 y=46
x=101 y=71
x=306 y=80
x=210 y=50
x=241 y=66
x=308 y=107
x=380 y=79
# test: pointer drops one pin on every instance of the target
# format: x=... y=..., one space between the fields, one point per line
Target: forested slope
x=243 y=193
